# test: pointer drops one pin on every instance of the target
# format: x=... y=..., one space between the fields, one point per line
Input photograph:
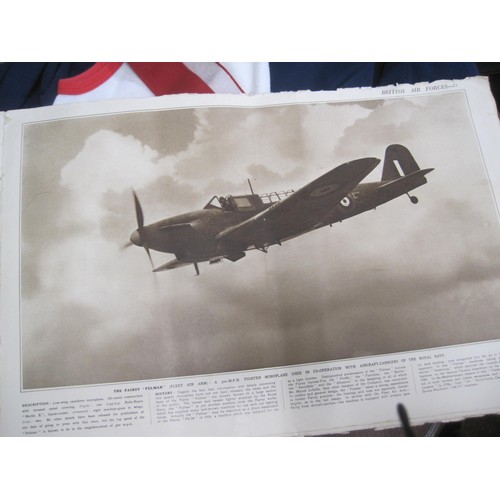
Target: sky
x=399 y=278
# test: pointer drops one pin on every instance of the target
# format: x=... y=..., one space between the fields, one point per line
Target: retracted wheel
x=413 y=199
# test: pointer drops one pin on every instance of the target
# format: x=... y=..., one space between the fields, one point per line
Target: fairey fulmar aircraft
x=228 y=226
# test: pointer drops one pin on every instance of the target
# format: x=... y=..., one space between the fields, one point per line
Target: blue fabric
x=424 y=72
x=332 y=76
x=320 y=76
x=29 y=85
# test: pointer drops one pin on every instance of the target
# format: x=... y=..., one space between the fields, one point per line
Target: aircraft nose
x=135 y=238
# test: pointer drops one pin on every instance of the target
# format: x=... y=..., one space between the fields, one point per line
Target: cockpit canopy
x=241 y=203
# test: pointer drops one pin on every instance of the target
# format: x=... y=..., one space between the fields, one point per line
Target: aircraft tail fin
x=398 y=162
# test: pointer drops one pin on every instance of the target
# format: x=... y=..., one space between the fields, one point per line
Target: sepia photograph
x=190 y=241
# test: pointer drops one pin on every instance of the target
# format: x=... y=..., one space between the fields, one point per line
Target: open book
x=282 y=264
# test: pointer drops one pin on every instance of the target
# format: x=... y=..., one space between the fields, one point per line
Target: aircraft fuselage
x=199 y=241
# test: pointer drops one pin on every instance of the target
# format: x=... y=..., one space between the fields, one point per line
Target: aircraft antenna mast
x=250 y=184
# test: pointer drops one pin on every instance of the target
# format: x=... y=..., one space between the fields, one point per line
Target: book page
x=297 y=308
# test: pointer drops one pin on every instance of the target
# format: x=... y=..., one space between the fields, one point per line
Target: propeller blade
x=143 y=232
x=138 y=212
x=126 y=245
x=146 y=247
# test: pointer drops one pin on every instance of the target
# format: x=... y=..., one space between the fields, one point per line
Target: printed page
x=283 y=264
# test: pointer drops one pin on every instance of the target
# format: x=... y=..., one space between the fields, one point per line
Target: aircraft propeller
x=142 y=232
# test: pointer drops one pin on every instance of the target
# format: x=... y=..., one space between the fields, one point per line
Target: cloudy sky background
x=399 y=278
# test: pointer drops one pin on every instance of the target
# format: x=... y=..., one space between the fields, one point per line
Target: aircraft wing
x=300 y=211
x=171 y=264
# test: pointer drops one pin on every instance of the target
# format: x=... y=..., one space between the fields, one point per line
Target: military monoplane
x=229 y=226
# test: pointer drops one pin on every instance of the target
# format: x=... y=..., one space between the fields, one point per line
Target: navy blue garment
x=29 y=85
x=390 y=73
x=332 y=76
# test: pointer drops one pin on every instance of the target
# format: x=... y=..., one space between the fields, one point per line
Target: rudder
x=398 y=162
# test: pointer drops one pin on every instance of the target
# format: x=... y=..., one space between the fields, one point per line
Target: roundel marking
x=324 y=190
x=346 y=202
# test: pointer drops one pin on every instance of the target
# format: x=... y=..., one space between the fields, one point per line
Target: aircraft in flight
x=228 y=226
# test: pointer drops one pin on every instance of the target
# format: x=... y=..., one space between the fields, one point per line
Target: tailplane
x=398 y=162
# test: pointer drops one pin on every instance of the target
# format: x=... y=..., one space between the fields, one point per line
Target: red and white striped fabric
x=128 y=80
